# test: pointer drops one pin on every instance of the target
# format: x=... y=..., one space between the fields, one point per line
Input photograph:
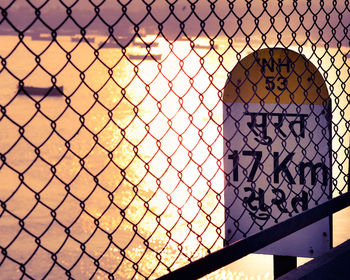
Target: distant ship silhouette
x=41 y=91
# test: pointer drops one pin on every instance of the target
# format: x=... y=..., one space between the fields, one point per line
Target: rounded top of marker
x=276 y=75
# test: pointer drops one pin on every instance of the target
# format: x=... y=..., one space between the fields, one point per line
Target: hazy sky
x=202 y=15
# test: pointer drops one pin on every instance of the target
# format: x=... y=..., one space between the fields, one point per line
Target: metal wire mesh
x=111 y=126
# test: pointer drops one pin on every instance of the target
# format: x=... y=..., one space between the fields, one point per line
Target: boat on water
x=41 y=91
x=147 y=56
x=41 y=37
x=141 y=44
x=205 y=47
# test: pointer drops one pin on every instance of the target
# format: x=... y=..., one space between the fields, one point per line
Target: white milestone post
x=277 y=149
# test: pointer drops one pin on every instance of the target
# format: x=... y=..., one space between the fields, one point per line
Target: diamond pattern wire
x=111 y=126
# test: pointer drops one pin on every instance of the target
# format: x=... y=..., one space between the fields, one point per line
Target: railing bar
x=251 y=244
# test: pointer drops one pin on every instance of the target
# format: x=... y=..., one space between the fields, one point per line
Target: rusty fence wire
x=111 y=128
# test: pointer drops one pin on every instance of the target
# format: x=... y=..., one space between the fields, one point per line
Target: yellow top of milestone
x=278 y=76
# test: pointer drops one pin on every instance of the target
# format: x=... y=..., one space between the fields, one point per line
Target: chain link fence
x=111 y=138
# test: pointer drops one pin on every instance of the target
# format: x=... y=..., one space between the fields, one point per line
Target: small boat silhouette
x=41 y=37
x=41 y=91
x=147 y=56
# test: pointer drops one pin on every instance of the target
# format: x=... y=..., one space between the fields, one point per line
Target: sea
x=123 y=174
